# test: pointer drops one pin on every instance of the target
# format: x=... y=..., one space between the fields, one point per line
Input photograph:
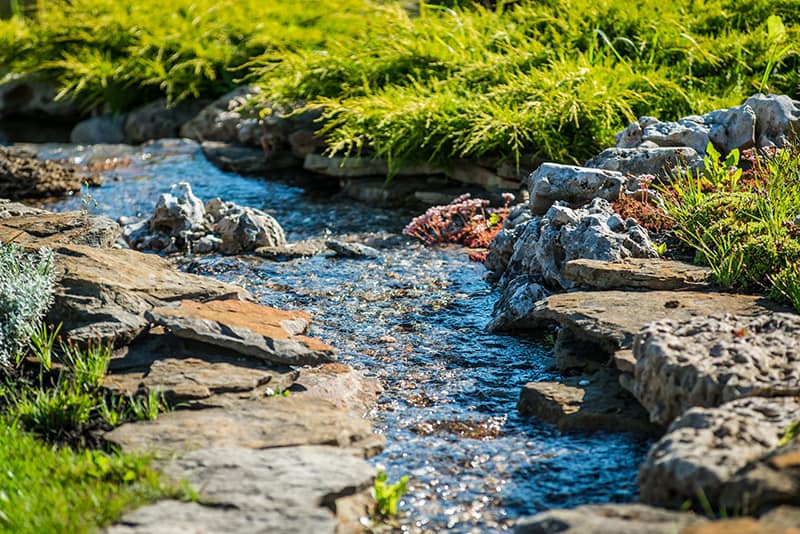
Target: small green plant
x=88 y=365
x=660 y=248
x=148 y=407
x=550 y=340
x=777 y=38
x=278 y=392
x=51 y=411
x=791 y=433
x=388 y=495
x=42 y=344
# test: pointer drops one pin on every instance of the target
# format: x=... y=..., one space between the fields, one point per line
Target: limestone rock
x=585 y=403
x=659 y=161
x=734 y=128
x=51 y=229
x=646 y=273
x=249 y=329
x=219 y=120
x=553 y=182
x=103 y=129
x=243 y=229
x=777 y=119
x=707 y=361
x=608 y=519
x=178 y=211
x=291 y=489
x=502 y=246
x=512 y=310
x=691 y=132
x=467 y=172
x=299 y=249
x=23 y=175
x=103 y=294
x=157 y=120
x=268 y=423
x=705 y=447
x=346 y=249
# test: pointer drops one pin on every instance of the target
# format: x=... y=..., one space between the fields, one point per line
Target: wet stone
x=339 y=384
x=345 y=249
x=646 y=273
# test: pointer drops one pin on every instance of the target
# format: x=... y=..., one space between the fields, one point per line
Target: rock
x=243 y=229
x=543 y=246
x=344 y=249
x=340 y=384
x=249 y=329
x=611 y=319
x=103 y=294
x=292 y=489
x=157 y=120
x=553 y=182
x=646 y=273
x=512 y=309
x=734 y=128
x=683 y=362
x=502 y=246
x=343 y=167
x=33 y=96
x=660 y=161
x=299 y=249
x=178 y=211
x=246 y=160
x=264 y=424
x=467 y=172
x=691 y=132
x=103 y=129
x=23 y=175
x=585 y=403
x=10 y=209
x=608 y=519
x=768 y=524
x=44 y=229
x=705 y=447
x=777 y=119
x=219 y=120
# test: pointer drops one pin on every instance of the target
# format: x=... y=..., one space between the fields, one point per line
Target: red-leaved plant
x=467 y=221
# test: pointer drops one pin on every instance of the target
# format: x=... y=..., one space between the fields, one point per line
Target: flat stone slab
x=608 y=519
x=292 y=489
x=706 y=361
x=703 y=449
x=344 y=249
x=646 y=273
x=340 y=384
x=783 y=520
x=250 y=329
x=52 y=229
x=585 y=403
x=102 y=294
x=299 y=249
x=611 y=319
x=253 y=424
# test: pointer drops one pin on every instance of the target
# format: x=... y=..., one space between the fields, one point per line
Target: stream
x=414 y=318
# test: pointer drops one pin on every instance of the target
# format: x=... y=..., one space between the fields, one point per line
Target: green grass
x=47 y=488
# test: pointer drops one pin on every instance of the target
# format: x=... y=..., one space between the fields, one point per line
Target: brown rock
x=608 y=519
x=741 y=525
x=646 y=273
x=52 y=229
x=267 y=423
x=22 y=175
x=339 y=384
x=585 y=403
x=248 y=328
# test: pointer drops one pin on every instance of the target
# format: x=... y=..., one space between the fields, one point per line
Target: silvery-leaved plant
x=26 y=292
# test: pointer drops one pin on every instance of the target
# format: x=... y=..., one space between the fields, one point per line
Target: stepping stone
x=250 y=329
x=292 y=490
x=644 y=273
x=609 y=519
x=229 y=421
x=585 y=403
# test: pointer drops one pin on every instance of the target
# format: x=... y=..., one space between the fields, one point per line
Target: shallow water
x=415 y=319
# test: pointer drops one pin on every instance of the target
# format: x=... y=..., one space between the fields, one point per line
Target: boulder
x=512 y=310
x=644 y=273
x=706 y=361
x=553 y=182
x=608 y=519
x=659 y=161
x=345 y=249
x=705 y=447
x=502 y=246
x=103 y=129
x=158 y=120
x=33 y=96
x=23 y=175
x=291 y=489
x=243 y=229
x=734 y=128
x=585 y=403
x=218 y=121
x=344 y=167
x=247 y=328
x=777 y=119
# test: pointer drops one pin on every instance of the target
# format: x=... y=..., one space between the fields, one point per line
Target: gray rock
x=552 y=182
x=243 y=229
x=103 y=129
x=512 y=309
x=707 y=361
x=704 y=448
x=299 y=249
x=777 y=119
x=734 y=128
x=646 y=273
x=247 y=160
x=291 y=489
x=46 y=229
x=249 y=329
x=691 y=132
x=178 y=211
x=156 y=120
x=660 y=161
x=585 y=403
x=608 y=519
x=346 y=249
x=33 y=95
x=343 y=167
x=219 y=120
x=10 y=209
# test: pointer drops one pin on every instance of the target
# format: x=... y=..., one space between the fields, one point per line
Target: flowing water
x=415 y=319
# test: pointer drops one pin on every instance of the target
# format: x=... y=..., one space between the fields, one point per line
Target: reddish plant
x=466 y=220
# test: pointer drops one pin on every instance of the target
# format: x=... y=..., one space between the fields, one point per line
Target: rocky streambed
x=411 y=317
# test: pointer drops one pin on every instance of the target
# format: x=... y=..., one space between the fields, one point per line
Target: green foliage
x=26 y=291
x=148 y=407
x=388 y=495
x=790 y=433
x=44 y=488
x=87 y=365
x=42 y=343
